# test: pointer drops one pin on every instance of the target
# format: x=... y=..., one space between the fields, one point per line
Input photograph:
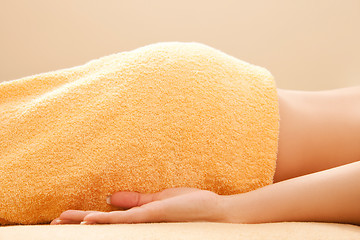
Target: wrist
x=262 y=205
x=236 y=209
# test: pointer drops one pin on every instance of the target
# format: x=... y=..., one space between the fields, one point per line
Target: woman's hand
x=169 y=205
x=328 y=196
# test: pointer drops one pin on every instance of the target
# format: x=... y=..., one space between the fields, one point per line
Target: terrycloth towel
x=164 y=115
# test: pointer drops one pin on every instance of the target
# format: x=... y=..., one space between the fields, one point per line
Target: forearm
x=328 y=196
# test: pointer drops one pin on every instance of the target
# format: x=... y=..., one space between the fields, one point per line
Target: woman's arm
x=329 y=196
x=332 y=195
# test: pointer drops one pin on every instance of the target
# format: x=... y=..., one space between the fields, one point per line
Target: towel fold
x=164 y=115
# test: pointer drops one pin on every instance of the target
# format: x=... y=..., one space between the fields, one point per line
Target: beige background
x=306 y=44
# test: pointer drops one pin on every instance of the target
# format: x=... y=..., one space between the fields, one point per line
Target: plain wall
x=306 y=44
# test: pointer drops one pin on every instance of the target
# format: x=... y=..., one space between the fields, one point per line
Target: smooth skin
x=317 y=176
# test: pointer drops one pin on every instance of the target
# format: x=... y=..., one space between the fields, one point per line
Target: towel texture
x=164 y=115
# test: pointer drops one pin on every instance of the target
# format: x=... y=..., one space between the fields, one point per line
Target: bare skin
x=317 y=176
x=318 y=131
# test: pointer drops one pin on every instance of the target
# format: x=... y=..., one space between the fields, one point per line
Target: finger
x=74 y=215
x=57 y=221
x=134 y=199
x=133 y=215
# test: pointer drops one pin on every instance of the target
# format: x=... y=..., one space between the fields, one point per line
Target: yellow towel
x=164 y=115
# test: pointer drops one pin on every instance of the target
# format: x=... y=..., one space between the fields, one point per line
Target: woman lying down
x=175 y=132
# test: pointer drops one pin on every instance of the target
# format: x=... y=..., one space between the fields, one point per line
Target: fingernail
x=57 y=221
x=108 y=199
x=87 y=223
